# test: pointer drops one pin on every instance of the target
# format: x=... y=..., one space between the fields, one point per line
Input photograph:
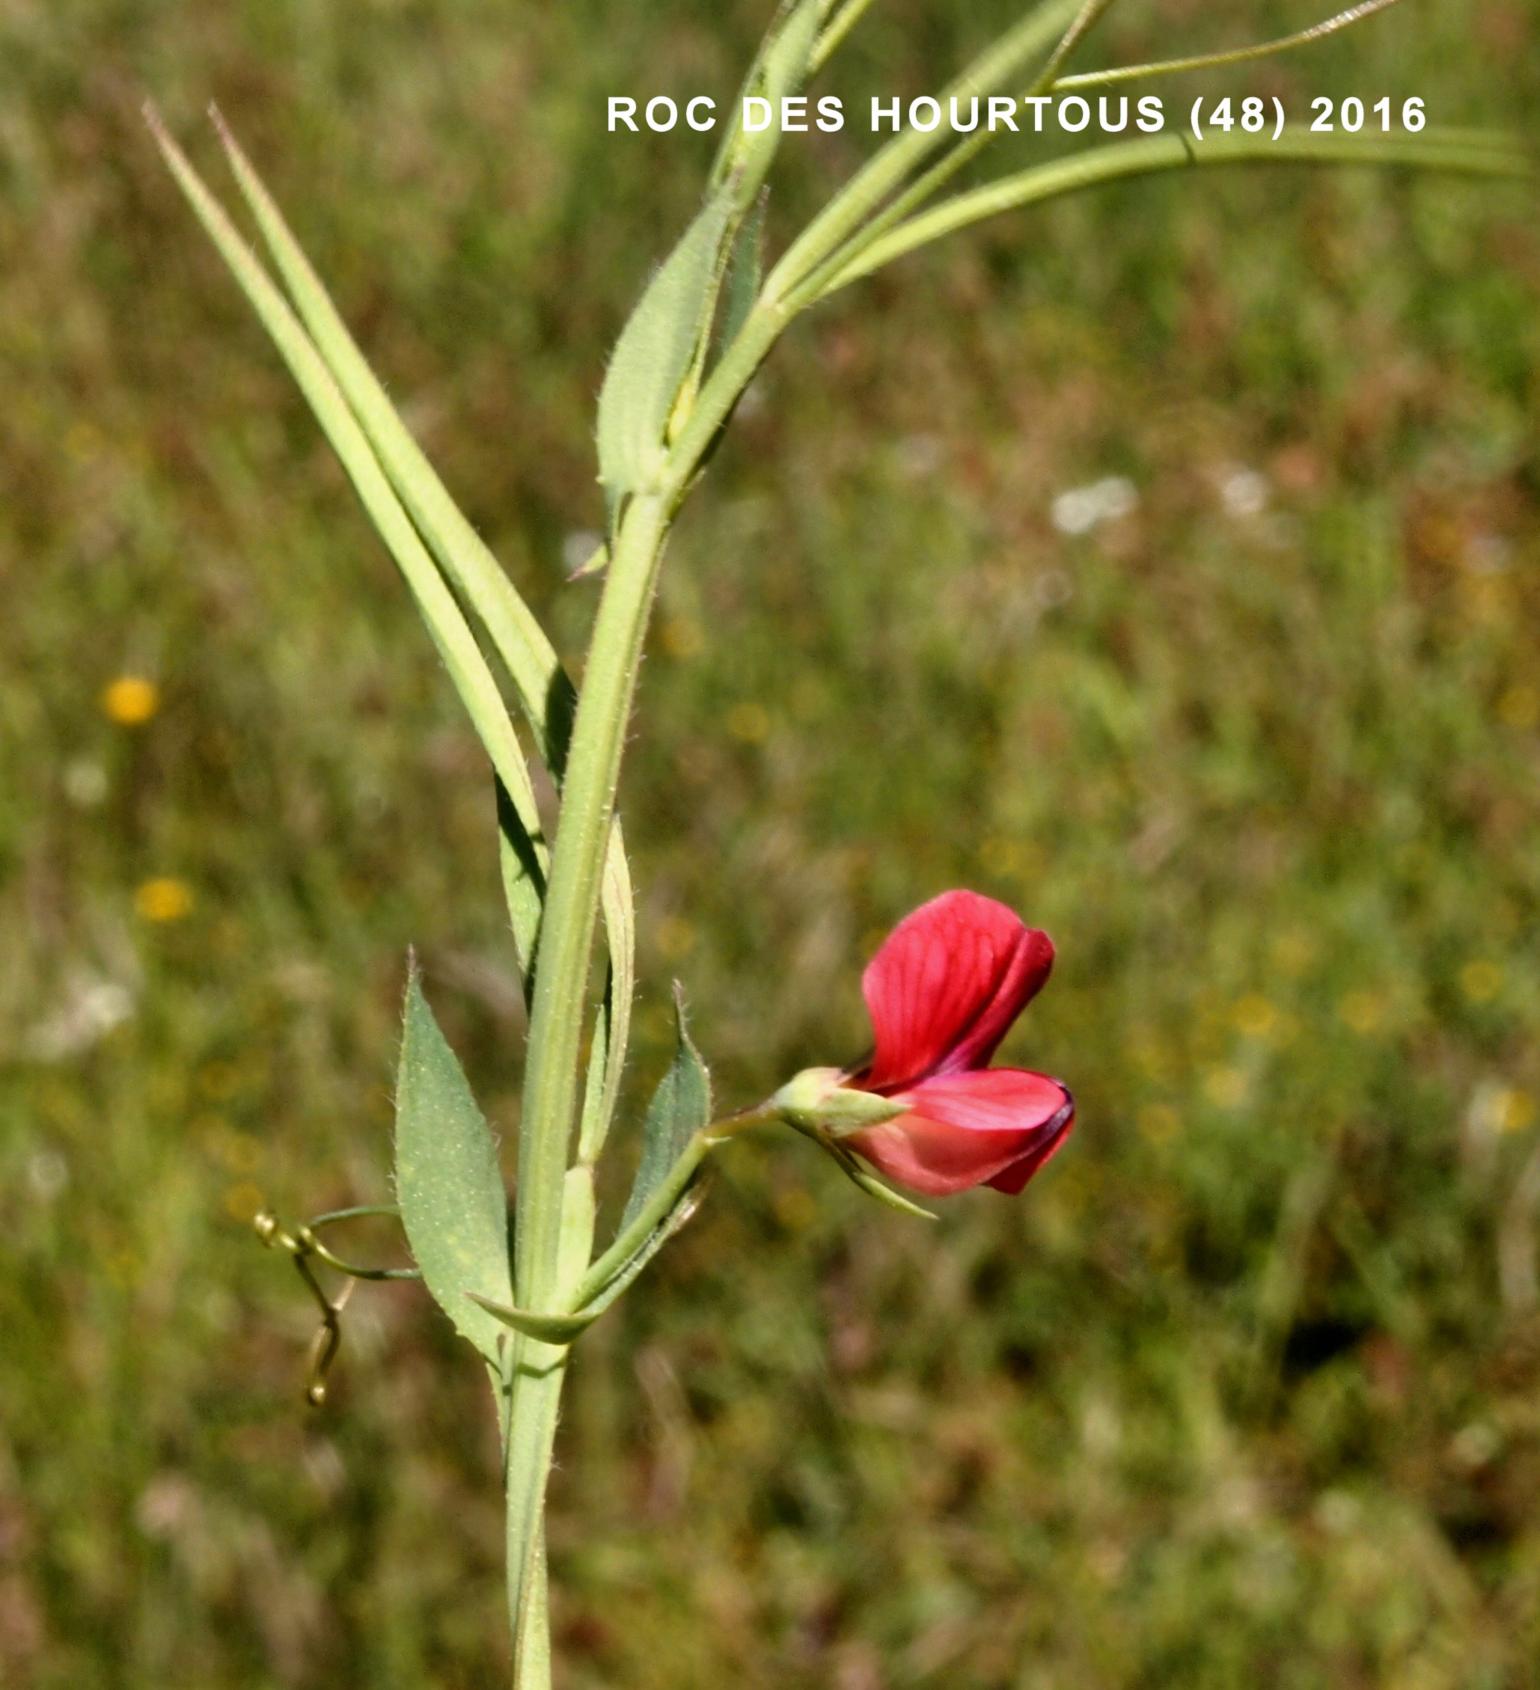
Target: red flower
x=942 y=992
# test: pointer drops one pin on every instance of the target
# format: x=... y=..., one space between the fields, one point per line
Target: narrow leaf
x=1475 y=153
x=784 y=69
x=1225 y=57
x=612 y=1028
x=545 y=692
x=745 y=272
x=835 y=31
x=653 y=356
x=468 y=669
x=680 y=1107
x=521 y=860
x=448 y=1182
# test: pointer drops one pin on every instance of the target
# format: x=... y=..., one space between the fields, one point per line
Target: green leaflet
x=525 y=856
x=745 y=272
x=779 y=68
x=612 y=1029
x=680 y=1108
x=448 y=1181
x=654 y=355
x=545 y=692
x=785 y=67
x=1473 y=152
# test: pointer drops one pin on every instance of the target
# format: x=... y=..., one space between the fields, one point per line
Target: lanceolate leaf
x=544 y=690
x=744 y=273
x=448 y=1182
x=779 y=69
x=653 y=356
x=785 y=67
x=1470 y=152
x=446 y=622
x=680 y=1107
x=612 y=1029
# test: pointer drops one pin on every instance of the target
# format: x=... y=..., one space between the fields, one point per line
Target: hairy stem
x=536 y=1376
x=552 y=1236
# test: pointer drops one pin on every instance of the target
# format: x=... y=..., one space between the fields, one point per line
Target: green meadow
x=1164 y=561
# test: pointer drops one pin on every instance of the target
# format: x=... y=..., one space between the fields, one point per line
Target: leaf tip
x=222 y=129
x=156 y=125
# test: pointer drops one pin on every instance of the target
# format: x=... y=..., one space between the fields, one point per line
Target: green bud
x=816 y=1102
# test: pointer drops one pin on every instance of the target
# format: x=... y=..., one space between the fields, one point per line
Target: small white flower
x=1244 y=492
x=85 y=783
x=1081 y=509
x=91 y=1008
x=918 y=455
x=47 y=1173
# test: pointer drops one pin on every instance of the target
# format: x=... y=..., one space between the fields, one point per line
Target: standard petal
x=963 y=1130
x=946 y=985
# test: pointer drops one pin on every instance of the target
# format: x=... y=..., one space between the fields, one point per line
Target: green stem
x=536 y=1376
x=566 y=940
x=571 y=909
x=551 y=1079
x=539 y=1371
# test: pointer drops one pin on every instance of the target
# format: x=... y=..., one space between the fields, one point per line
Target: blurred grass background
x=1247 y=1388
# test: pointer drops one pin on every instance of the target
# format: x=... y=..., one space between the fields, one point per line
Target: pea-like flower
x=926 y=1110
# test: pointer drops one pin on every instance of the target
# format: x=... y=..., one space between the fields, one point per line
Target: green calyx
x=817 y=1101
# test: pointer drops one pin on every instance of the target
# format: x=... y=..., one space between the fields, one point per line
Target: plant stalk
x=536 y=1375
x=543 y=1257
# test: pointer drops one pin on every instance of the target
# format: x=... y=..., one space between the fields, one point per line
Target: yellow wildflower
x=1515 y=1110
x=243 y=1202
x=164 y=898
x=681 y=637
x=1519 y=707
x=130 y=700
x=1226 y=1087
